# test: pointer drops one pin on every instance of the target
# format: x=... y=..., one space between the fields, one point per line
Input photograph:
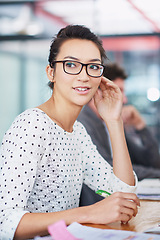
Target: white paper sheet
x=89 y=233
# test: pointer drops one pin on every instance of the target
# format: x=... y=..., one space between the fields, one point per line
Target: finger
x=97 y=96
x=108 y=82
x=127 y=211
x=124 y=218
x=136 y=199
x=132 y=206
x=103 y=85
x=104 y=79
x=105 y=82
x=131 y=196
x=126 y=200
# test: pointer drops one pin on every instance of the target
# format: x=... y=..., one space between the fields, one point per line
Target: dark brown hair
x=73 y=32
x=113 y=71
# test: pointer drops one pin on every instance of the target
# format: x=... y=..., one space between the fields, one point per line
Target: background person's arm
x=142 y=145
x=147 y=152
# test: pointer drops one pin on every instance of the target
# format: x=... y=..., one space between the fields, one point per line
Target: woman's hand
x=108 y=100
x=117 y=207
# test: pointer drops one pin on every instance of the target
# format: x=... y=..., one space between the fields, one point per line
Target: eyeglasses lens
x=95 y=70
x=72 y=67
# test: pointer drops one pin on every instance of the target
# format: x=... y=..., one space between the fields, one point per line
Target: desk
x=147 y=216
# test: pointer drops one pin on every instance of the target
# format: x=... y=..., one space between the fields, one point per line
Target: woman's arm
x=116 y=207
x=34 y=224
x=122 y=166
x=109 y=105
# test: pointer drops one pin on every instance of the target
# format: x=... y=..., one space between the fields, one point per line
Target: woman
x=46 y=154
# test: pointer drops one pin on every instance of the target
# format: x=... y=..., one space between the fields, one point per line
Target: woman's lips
x=82 y=90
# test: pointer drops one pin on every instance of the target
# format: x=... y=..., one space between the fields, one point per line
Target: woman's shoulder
x=32 y=123
x=29 y=119
x=31 y=115
x=31 y=112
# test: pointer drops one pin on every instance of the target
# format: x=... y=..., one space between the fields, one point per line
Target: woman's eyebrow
x=95 y=60
x=91 y=60
x=71 y=57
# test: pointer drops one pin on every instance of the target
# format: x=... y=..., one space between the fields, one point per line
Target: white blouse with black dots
x=42 y=168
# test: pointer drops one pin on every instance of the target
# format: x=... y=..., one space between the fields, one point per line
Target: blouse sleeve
x=97 y=172
x=19 y=156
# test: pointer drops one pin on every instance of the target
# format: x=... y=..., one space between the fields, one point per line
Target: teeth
x=82 y=89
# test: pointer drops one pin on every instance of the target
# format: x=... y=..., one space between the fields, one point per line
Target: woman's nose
x=83 y=74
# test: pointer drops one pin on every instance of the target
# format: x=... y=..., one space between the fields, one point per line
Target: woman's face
x=76 y=89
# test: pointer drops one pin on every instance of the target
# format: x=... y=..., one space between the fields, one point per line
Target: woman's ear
x=50 y=73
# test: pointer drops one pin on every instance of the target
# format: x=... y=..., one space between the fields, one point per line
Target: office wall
x=23 y=81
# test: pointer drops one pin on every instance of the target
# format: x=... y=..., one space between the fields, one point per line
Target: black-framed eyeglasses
x=75 y=67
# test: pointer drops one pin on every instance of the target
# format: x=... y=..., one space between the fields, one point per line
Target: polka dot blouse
x=42 y=168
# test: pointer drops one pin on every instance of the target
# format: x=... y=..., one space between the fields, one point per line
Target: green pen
x=103 y=193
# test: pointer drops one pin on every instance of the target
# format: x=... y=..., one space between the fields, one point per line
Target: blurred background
x=130 y=31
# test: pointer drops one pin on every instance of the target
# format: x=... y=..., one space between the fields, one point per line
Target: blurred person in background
x=142 y=145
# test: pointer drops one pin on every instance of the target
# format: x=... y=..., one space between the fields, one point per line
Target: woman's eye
x=94 y=67
x=70 y=64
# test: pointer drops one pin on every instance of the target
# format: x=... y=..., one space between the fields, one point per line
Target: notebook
x=149 y=189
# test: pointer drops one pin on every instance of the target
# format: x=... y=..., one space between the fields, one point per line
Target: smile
x=81 y=89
